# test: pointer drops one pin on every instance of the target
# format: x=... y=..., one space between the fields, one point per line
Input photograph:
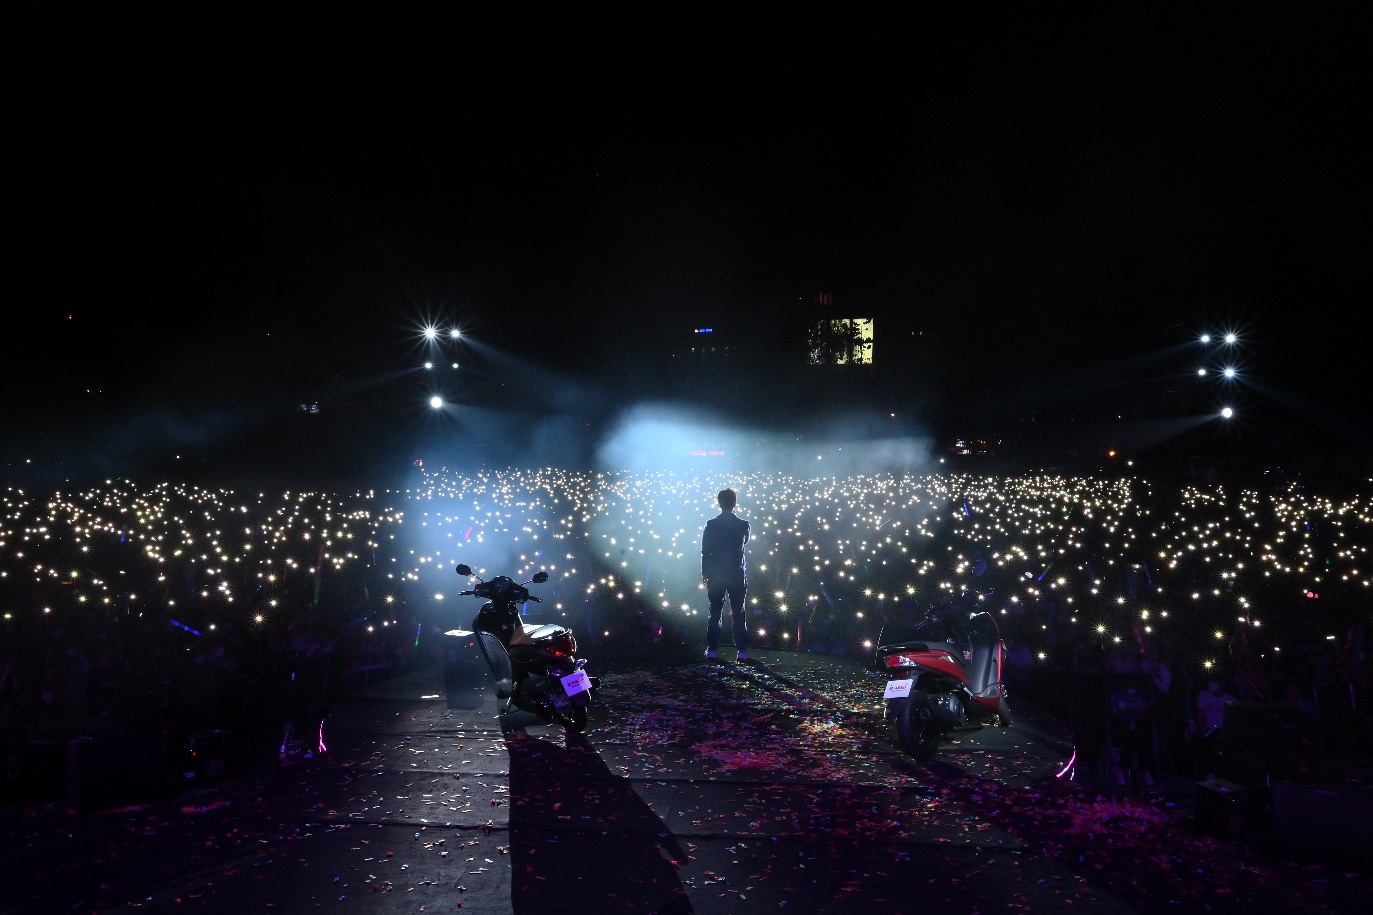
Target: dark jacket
x=722 y=545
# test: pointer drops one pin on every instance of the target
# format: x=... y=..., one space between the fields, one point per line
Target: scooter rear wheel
x=574 y=721
x=919 y=738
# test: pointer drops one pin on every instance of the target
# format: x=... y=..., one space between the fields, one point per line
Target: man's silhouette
x=724 y=571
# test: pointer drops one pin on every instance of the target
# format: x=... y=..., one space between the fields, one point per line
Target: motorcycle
x=943 y=674
x=535 y=668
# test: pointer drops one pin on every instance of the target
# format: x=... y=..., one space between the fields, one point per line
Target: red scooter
x=943 y=673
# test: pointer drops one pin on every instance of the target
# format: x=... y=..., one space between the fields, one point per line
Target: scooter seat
x=544 y=632
x=951 y=647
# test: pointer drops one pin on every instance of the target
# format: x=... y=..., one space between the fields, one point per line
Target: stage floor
x=699 y=786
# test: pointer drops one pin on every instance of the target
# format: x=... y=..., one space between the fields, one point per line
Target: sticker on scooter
x=897 y=689
x=576 y=683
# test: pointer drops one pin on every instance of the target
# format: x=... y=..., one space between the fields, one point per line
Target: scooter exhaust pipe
x=944 y=708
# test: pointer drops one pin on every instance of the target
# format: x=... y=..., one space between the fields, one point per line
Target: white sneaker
x=743 y=656
x=710 y=654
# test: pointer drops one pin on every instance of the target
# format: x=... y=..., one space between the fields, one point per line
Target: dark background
x=218 y=214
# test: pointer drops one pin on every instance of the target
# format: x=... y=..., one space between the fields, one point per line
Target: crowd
x=1127 y=607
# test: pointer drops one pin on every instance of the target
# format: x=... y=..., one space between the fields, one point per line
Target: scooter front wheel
x=1003 y=713
x=919 y=738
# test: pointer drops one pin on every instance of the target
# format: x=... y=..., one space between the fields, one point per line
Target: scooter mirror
x=463 y=569
x=540 y=577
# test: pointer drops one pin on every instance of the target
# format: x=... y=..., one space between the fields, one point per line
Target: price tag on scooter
x=576 y=683
x=897 y=689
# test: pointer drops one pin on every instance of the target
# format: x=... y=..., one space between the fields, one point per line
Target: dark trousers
x=735 y=584
x=1135 y=744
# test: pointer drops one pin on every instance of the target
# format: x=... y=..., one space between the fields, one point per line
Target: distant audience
x=180 y=608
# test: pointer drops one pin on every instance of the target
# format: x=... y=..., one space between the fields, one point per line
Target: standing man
x=724 y=569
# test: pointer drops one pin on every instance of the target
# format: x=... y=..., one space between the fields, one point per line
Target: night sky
x=219 y=214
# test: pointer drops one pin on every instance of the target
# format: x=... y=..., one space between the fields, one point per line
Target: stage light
x=436 y=402
x=1227 y=412
x=1205 y=338
x=1229 y=373
x=1230 y=338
